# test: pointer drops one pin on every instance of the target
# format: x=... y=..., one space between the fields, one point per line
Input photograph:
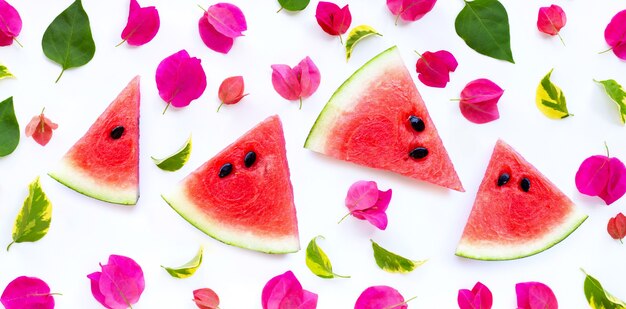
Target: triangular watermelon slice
x=104 y=163
x=378 y=119
x=518 y=212
x=243 y=195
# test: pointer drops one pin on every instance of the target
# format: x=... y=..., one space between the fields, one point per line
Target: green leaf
x=177 y=160
x=393 y=263
x=4 y=72
x=293 y=5
x=484 y=26
x=317 y=261
x=598 y=298
x=187 y=270
x=617 y=94
x=357 y=34
x=9 y=128
x=551 y=100
x=68 y=40
x=33 y=221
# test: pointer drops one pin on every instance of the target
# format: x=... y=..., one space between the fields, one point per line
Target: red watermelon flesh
x=367 y=122
x=252 y=207
x=507 y=222
x=101 y=166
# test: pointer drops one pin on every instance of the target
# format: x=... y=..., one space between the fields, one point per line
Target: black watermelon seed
x=117 y=132
x=249 y=159
x=503 y=179
x=525 y=184
x=225 y=170
x=417 y=123
x=418 y=153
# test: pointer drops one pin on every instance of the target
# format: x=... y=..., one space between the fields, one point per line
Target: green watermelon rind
x=72 y=177
x=178 y=201
x=502 y=252
x=319 y=132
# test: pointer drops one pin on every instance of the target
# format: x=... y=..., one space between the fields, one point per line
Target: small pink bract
x=333 y=19
x=479 y=101
x=478 y=298
x=227 y=19
x=366 y=202
x=615 y=34
x=285 y=292
x=180 y=79
x=551 y=19
x=40 y=128
x=231 y=90
x=297 y=83
x=206 y=298
x=382 y=296
x=535 y=295
x=142 y=26
x=410 y=10
x=10 y=23
x=602 y=176
x=27 y=292
x=120 y=283
x=434 y=68
x=617 y=227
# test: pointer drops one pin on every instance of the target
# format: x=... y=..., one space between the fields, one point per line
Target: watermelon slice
x=104 y=163
x=518 y=212
x=243 y=195
x=377 y=119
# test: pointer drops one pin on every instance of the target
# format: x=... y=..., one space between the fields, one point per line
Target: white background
x=425 y=221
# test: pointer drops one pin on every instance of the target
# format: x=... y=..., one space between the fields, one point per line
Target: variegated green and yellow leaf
x=4 y=72
x=617 y=94
x=551 y=100
x=391 y=262
x=598 y=298
x=188 y=269
x=317 y=261
x=33 y=221
x=177 y=160
x=357 y=34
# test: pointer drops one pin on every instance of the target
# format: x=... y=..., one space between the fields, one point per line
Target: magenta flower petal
x=362 y=195
x=227 y=19
x=309 y=77
x=94 y=278
x=616 y=183
x=410 y=10
x=120 y=283
x=551 y=19
x=142 y=26
x=478 y=298
x=602 y=176
x=180 y=79
x=434 y=68
x=206 y=298
x=27 y=292
x=615 y=34
x=10 y=23
x=285 y=292
x=377 y=218
x=285 y=82
x=212 y=38
x=332 y=19
x=309 y=300
x=382 y=296
x=479 y=101
x=384 y=197
x=535 y=295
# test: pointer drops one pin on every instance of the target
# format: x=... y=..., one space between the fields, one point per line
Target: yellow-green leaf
x=317 y=261
x=4 y=72
x=393 y=263
x=33 y=221
x=357 y=34
x=186 y=270
x=598 y=298
x=551 y=100
x=617 y=94
x=177 y=160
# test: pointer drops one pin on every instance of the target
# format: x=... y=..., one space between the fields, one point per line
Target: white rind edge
x=343 y=98
x=497 y=251
x=177 y=199
x=74 y=178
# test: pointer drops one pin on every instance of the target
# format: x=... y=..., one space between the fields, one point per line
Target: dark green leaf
x=317 y=261
x=293 y=5
x=33 y=221
x=598 y=298
x=68 y=40
x=617 y=94
x=177 y=160
x=484 y=26
x=9 y=128
x=391 y=262
x=188 y=269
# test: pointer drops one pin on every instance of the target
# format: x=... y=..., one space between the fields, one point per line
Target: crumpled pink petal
x=551 y=19
x=376 y=214
x=410 y=10
x=40 y=128
x=434 y=68
x=285 y=292
x=27 y=292
x=478 y=298
x=231 y=90
x=366 y=202
x=616 y=227
x=212 y=38
x=119 y=284
x=615 y=34
x=142 y=26
x=479 y=101
x=180 y=79
x=285 y=82
x=535 y=295
x=309 y=77
x=206 y=298
x=602 y=176
x=332 y=19
x=382 y=296
x=10 y=23
x=227 y=19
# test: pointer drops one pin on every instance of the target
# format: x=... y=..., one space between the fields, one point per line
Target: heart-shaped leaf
x=9 y=128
